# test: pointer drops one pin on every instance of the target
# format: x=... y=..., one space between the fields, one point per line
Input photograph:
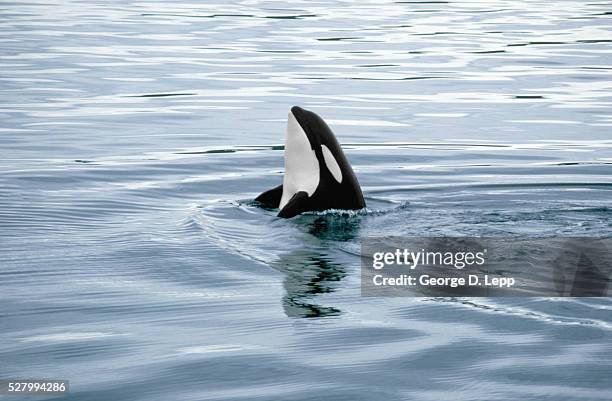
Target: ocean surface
x=135 y=134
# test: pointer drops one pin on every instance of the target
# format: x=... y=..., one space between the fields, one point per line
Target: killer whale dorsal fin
x=271 y=198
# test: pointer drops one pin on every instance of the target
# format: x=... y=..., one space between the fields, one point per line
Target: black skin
x=271 y=198
x=329 y=194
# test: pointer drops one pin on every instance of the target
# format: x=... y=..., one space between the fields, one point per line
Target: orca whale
x=317 y=174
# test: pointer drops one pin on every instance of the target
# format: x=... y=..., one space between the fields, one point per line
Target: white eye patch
x=331 y=163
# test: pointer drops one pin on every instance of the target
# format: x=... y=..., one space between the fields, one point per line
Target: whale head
x=313 y=157
x=317 y=174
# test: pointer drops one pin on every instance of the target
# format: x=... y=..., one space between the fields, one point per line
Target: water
x=135 y=134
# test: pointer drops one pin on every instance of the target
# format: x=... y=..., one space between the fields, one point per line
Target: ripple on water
x=135 y=135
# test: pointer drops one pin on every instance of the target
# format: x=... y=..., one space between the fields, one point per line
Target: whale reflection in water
x=314 y=270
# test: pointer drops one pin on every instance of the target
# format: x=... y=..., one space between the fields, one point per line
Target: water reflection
x=311 y=272
x=342 y=226
x=307 y=274
x=121 y=119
